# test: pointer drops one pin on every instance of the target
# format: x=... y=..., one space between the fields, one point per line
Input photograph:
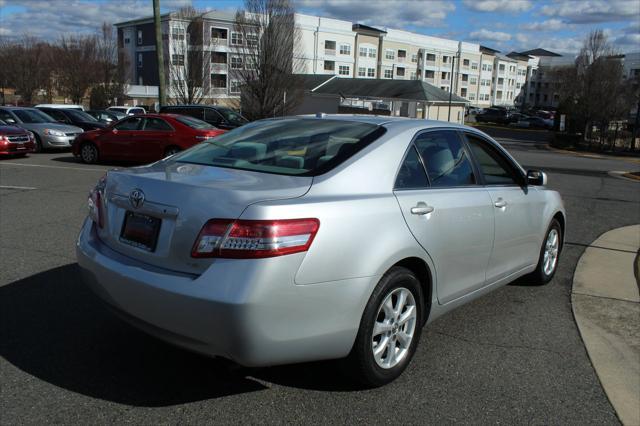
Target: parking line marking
x=16 y=187
x=53 y=167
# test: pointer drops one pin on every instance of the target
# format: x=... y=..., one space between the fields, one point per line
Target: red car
x=15 y=140
x=143 y=138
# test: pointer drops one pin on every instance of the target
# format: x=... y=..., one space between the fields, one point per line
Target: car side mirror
x=10 y=121
x=536 y=177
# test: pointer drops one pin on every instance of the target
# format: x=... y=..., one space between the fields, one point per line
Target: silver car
x=309 y=238
x=48 y=132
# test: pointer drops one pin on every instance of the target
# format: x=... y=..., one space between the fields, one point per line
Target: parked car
x=15 y=140
x=221 y=117
x=64 y=106
x=528 y=122
x=143 y=138
x=47 y=132
x=494 y=115
x=105 y=116
x=307 y=238
x=127 y=110
x=74 y=117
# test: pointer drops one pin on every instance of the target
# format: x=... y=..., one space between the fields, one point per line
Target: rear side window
x=292 y=146
x=132 y=123
x=156 y=124
x=494 y=167
x=194 y=123
x=411 y=174
x=445 y=159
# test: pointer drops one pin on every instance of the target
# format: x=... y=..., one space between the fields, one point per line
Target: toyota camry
x=317 y=237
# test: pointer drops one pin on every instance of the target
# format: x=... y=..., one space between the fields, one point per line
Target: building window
x=445 y=88
x=388 y=73
x=474 y=65
x=362 y=72
x=236 y=62
x=363 y=52
x=329 y=47
x=402 y=55
x=139 y=60
x=219 y=81
x=463 y=92
x=344 y=70
x=236 y=39
x=445 y=59
x=473 y=80
x=472 y=96
x=500 y=81
x=177 y=59
x=465 y=77
x=390 y=54
x=234 y=87
x=400 y=72
x=501 y=67
x=127 y=40
x=489 y=67
x=371 y=72
x=429 y=74
x=431 y=57
x=345 y=49
x=218 y=58
x=499 y=94
x=444 y=76
x=484 y=67
x=414 y=58
x=373 y=52
x=139 y=37
x=252 y=40
x=465 y=62
x=177 y=33
x=413 y=75
x=329 y=66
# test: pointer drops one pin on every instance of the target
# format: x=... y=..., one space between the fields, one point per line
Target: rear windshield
x=231 y=116
x=194 y=123
x=80 y=115
x=292 y=146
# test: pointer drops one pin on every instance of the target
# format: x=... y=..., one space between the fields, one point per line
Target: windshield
x=194 y=123
x=33 y=116
x=292 y=146
x=232 y=116
x=78 y=115
x=118 y=110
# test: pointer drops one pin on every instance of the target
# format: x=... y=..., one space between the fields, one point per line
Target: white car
x=128 y=110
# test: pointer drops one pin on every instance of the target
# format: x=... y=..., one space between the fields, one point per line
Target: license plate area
x=140 y=230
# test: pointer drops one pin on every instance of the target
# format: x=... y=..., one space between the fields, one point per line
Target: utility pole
x=453 y=60
x=162 y=94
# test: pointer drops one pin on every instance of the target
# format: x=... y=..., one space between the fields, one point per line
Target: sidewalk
x=606 y=306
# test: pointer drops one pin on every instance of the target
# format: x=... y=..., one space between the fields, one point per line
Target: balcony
x=218 y=90
x=330 y=52
x=219 y=67
x=219 y=42
x=402 y=59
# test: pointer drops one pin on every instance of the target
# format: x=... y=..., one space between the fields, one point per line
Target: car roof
x=195 y=106
x=397 y=123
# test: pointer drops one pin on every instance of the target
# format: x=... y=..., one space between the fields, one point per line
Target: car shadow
x=72 y=159
x=54 y=328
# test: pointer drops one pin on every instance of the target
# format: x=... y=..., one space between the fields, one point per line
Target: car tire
x=37 y=144
x=89 y=153
x=549 y=255
x=389 y=333
x=171 y=151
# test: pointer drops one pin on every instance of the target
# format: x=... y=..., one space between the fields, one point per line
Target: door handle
x=422 y=208
x=500 y=203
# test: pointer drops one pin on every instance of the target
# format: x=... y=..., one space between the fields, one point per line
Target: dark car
x=221 y=117
x=143 y=138
x=494 y=115
x=105 y=116
x=15 y=140
x=74 y=117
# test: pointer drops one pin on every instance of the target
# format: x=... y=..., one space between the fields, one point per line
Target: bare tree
x=266 y=58
x=187 y=58
x=77 y=65
x=111 y=69
x=23 y=66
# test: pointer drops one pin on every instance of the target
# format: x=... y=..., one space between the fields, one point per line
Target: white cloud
x=4 y=31
x=499 y=5
x=548 y=25
x=593 y=11
x=484 y=34
x=522 y=39
x=391 y=13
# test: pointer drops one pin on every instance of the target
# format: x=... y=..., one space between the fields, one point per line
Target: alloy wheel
x=551 y=252
x=88 y=153
x=394 y=328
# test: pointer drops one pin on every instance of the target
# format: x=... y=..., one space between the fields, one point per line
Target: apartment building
x=328 y=46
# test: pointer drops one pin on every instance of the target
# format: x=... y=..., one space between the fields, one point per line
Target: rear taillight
x=95 y=202
x=250 y=239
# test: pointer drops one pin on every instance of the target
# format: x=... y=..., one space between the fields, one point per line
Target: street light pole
x=162 y=95
x=453 y=59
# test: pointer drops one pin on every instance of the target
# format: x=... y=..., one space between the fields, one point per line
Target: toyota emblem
x=136 y=198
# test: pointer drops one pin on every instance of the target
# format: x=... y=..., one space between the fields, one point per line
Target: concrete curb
x=606 y=305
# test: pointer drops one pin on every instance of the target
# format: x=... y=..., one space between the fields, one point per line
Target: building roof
x=408 y=90
x=313 y=81
x=362 y=27
x=490 y=51
x=539 y=52
x=517 y=55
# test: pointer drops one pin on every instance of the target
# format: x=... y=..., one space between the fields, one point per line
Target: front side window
x=292 y=146
x=33 y=116
x=156 y=124
x=445 y=159
x=411 y=174
x=132 y=123
x=494 y=167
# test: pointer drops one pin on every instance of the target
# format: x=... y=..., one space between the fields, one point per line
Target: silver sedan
x=308 y=238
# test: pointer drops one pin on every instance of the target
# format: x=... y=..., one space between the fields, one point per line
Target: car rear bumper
x=249 y=311
x=14 y=148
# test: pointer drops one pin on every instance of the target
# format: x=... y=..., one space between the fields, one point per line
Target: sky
x=506 y=25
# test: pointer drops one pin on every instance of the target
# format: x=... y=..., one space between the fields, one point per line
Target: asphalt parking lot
x=513 y=356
